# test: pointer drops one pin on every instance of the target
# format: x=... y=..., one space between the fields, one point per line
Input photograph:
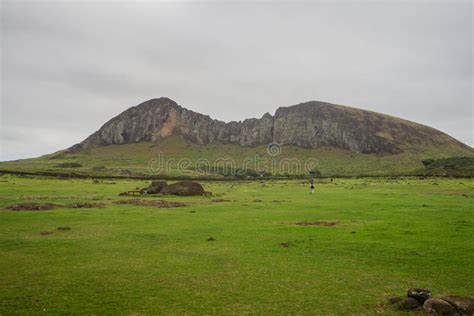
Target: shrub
x=315 y=173
x=452 y=166
x=427 y=162
x=99 y=168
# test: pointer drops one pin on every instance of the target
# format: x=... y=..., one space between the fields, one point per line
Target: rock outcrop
x=155 y=187
x=182 y=188
x=310 y=125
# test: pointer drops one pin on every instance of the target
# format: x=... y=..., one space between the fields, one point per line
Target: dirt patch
x=85 y=205
x=257 y=201
x=463 y=193
x=31 y=207
x=378 y=308
x=64 y=228
x=395 y=300
x=152 y=203
x=45 y=233
x=286 y=244
x=211 y=239
x=35 y=198
x=220 y=200
x=318 y=223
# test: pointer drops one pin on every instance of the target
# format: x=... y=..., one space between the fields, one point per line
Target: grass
x=127 y=259
x=133 y=160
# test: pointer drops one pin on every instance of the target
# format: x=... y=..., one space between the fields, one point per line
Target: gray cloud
x=69 y=66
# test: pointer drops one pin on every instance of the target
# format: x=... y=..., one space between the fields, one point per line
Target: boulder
x=408 y=304
x=435 y=306
x=421 y=295
x=156 y=187
x=184 y=188
x=463 y=304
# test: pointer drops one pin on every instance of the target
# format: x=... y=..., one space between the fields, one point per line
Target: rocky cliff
x=310 y=125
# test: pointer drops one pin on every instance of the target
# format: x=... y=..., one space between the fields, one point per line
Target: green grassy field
x=387 y=236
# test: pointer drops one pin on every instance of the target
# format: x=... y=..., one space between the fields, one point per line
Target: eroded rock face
x=312 y=125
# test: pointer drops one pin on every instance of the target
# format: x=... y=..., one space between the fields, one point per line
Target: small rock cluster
x=447 y=305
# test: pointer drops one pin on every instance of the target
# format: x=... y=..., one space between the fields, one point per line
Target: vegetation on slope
x=176 y=157
x=452 y=166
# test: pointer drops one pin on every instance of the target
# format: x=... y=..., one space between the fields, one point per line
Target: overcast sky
x=69 y=66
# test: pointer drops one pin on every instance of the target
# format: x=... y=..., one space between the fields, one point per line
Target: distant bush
x=453 y=166
x=68 y=165
x=125 y=172
x=231 y=172
x=56 y=156
x=315 y=173
x=427 y=162
x=99 y=168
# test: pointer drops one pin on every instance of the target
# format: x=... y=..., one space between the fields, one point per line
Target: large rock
x=421 y=295
x=463 y=304
x=435 y=306
x=408 y=304
x=184 y=188
x=155 y=187
x=311 y=124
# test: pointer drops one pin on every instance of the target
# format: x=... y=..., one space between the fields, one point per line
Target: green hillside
x=176 y=157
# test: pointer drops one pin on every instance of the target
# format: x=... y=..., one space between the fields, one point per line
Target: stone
x=408 y=304
x=463 y=304
x=184 y=188
x=155 y=187
x=421 y=295
x=436 y=306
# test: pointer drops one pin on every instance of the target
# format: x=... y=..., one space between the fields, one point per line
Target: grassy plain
x=387 y=236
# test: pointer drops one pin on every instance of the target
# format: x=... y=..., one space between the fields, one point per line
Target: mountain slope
x=309 y=125
x=337 y=140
